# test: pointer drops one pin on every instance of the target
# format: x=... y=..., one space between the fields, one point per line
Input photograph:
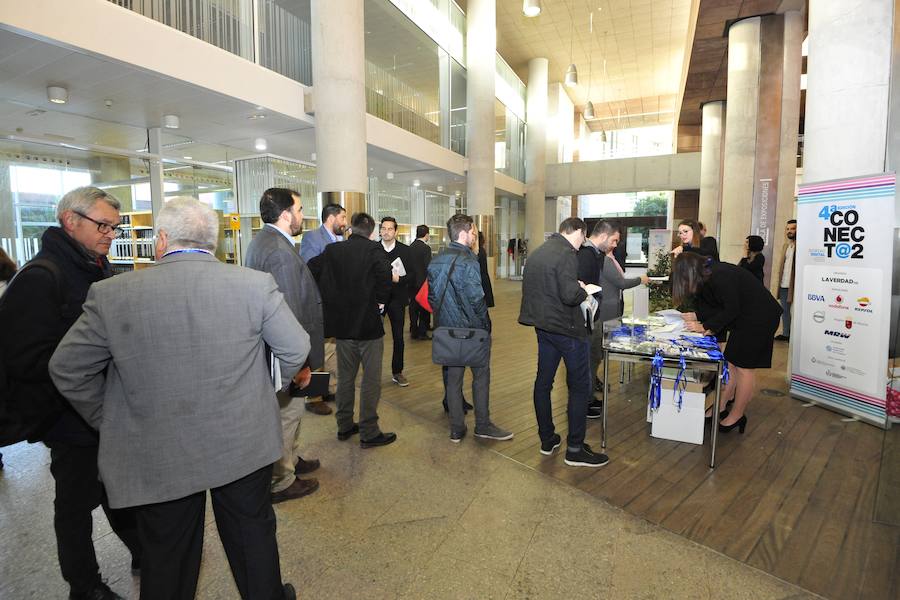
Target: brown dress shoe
x=318 y=408
x=298 y=489
x=306 y=466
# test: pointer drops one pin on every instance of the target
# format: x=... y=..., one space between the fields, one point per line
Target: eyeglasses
x=104 y=228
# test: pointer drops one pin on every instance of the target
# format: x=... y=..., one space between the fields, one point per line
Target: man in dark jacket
x=551 y=299
x=420 y=253
x=396 y=307
x=355 y=281
x=273 y=251
x=34 y=318
x=591 y=259
x=458 y=301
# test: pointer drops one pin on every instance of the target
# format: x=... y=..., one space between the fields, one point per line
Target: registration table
x=656 y=338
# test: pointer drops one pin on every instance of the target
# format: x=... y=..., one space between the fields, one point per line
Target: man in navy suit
x=334 y=222
x=312 y=244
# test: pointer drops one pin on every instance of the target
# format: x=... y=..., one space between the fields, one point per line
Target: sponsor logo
x=819 y=316
x=815 y=297
x=839 y=299
x=836 y=350
x=819 y=361
x=844 y=280
x=853 y=370
x=834 y=375
x=848 y=323
x=839 y=303
x=817 y=253
x=837 y=334
x=863 y=307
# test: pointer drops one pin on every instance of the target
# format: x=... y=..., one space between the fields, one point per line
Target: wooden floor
x=793 y=496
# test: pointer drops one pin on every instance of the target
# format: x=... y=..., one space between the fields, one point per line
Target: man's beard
x=296 y=226
x=337 y=229
x=791 y=236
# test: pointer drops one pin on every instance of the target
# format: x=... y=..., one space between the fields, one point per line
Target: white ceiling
x=642 y=42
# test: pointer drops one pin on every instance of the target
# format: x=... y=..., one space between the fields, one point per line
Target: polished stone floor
x=422 y=518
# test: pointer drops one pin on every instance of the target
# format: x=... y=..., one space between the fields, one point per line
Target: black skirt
x=751 y=347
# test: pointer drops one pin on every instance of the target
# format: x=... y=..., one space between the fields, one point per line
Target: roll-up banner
x=842 y=301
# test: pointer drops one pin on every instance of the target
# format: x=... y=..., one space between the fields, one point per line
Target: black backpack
x=24 y=415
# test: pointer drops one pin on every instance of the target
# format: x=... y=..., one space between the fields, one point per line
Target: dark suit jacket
x=354 y=278
x=485 y=278
x=271 y=252
x=400 y=290
x=420 y=255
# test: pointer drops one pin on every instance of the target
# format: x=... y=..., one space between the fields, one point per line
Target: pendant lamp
x=531 y=8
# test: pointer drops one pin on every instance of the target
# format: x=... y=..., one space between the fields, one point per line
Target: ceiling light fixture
x=416 y=182
x=531 y=8
x=57 y=94
x=589 y=109
x=440 y=188
x=188 y=157
x=312 y=157
x=171 y=121
x=389 y=175
x=260 y=144
x=572 y=72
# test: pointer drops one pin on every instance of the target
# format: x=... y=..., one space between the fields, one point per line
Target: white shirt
x=289 y=238
x=788 y=267
x=388 y=248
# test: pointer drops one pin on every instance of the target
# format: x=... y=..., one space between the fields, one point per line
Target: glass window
x=635 y=212
x=626 y=143
x=285 y=39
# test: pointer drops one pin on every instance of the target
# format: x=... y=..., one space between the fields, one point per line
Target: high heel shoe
x=722 y=415
x=741 y=424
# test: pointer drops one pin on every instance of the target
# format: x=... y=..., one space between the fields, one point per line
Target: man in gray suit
x=169 y=363
x=273 y=251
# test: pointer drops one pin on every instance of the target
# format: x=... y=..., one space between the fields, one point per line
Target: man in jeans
x=551 y=299
x=457 y=299
x=786 y=279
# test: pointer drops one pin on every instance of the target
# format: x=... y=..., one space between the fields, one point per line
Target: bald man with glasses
x=37 y=310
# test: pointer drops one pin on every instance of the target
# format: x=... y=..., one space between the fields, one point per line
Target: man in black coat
x=591 y=258
x=551 y=303
x=420 y=255
x=402 y=277
x=355 y=280
x=33 y=319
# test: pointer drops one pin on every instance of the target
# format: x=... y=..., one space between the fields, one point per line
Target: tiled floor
x=422 y=518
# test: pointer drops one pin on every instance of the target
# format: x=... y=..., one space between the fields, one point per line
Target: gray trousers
x=283 y=469
x=481 y=389
x=350 y=354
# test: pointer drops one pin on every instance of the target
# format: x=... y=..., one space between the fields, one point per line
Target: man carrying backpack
x=37 y=310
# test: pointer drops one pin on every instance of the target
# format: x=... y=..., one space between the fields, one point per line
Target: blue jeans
x=786 y=315
x=575 y=353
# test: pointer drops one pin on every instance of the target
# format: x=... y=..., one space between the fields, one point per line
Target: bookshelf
x=134 y=248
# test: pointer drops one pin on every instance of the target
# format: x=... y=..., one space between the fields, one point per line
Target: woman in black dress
x=753 y=260
x=729 y=298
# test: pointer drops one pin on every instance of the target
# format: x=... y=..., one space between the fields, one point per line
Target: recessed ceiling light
x=389 y=175
x=531 y=8
x=57 y=94
x=260 y=144
x=171 y=121
x=440 y=188
x=188 y=157
x=256 y=116
x=416 y=182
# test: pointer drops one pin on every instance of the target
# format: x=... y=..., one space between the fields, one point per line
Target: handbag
x=459 y=346
x=422 y=297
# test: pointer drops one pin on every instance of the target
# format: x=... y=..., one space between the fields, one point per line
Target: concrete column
x=481 y=49
x=339 y=101
x=536 y=151
x=157 y=197
x=711 y=165
x=848 y=88
x=760 y=131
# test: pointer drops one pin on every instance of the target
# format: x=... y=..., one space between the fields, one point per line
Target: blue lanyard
x=187 y=251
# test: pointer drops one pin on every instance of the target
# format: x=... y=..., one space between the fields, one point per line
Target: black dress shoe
x=100 y=591
x=327 y=398
x=382 y=439
x=346 y=435
x=289 y=592
x=306 y=466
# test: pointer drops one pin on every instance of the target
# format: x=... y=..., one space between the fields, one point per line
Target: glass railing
x=281 y=29
x=227 y=24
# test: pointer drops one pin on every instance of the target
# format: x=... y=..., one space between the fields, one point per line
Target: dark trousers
x=418 y=319
x=396 y=313
x=172 y=537
x=575 y=353
x=78 y=492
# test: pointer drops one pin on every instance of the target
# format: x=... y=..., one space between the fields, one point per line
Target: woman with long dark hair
x=690 y=238
x=729 y=298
